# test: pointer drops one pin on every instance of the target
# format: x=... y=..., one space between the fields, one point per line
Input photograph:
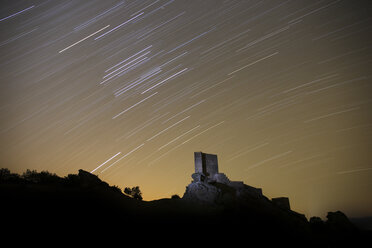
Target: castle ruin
x=206 y=171
x=207 y=178
x=206 y=165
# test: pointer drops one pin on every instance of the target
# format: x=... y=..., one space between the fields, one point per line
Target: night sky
x=281 y=91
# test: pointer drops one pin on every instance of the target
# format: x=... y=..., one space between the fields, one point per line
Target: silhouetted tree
x=43 y=177
x=175 y=196
x=4 y=174
x=72 y=180
x=47 y=177
x=7 y=177
x=115 y=188
x=137 y=194
x=134 y=192
x=31 y=176
x=128 y=191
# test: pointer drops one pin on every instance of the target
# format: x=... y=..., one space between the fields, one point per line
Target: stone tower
x=206 y=165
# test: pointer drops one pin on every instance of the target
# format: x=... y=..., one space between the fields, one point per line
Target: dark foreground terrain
x=43 y=204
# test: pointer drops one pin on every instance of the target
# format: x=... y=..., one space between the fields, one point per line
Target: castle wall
x=211 y=164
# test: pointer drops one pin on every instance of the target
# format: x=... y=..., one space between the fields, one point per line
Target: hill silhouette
x=44 y=202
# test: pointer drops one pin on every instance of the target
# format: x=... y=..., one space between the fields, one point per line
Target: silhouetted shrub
x=72 y=180
x=116 y=188
x=44 y=177
x=4 y=174
x=31 y=176
x=175 y=196
x=7 y=177
x=134 y=192
x=47 y=177
x=127 y=191
x=317 y=224
x=316 y=220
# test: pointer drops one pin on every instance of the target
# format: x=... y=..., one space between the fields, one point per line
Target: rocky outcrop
x=338 y=221
x=218 y=189
x=88 y=179
x=202 y=192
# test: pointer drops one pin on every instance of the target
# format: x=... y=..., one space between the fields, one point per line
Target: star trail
x=279 y=90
